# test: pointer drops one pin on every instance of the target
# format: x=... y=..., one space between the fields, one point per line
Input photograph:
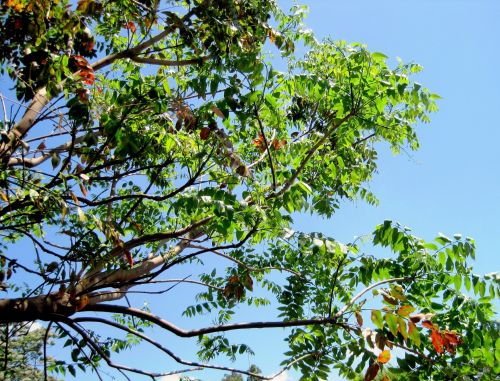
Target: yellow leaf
x=4 y=196
x=75 y=199
x=81 y=215
x=405 y=310
x=17 y=5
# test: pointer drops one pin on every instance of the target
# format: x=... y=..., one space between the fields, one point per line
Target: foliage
x=150 y=135
x=25 y=353
x=234 y=376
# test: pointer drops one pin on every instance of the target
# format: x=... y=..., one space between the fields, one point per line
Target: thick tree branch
x=33 y=162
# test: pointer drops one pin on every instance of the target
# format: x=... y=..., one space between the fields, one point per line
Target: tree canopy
x=142 y=136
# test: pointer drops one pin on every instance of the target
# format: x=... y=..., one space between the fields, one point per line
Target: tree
x=148 y=135
x=234 y=376
x=25 y=353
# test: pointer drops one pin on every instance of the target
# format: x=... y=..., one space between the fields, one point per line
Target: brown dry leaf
x=218 y=112
x=372 y=371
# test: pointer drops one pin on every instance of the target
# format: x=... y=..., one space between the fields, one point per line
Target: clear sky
x=452 y=184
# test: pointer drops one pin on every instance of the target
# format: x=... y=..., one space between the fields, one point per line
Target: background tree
x=24 y=358
x=147 y=136
x=234 y=376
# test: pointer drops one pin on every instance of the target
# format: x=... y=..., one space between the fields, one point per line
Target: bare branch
x=162 y=62
x=364 y=291
x=177 y=358
x=203 y=331
x=243 y=264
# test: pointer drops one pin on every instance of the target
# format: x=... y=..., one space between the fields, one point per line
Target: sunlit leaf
x=384 y=356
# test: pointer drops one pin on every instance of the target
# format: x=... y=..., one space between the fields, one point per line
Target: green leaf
x=392 y=323
x=376 y=317
x=414 y=333
x=379 y=56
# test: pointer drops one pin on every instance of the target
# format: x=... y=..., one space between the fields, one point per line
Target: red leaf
x=450 y=341
x=87 y=76
x=437 y=341
x=204 y=133
x=129 y=258
x=452 y=338
x=384 y=357
x=82 y=95
x=81 y=63
x=429 y=324
x=41 y=146
x=372 y=371
x=130 y=26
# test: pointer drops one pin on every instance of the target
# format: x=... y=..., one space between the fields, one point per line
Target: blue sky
x=452 y=184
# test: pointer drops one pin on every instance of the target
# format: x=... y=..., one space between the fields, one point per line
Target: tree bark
x=43 y=307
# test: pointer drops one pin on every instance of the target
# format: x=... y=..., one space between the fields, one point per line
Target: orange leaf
x=430 y=325
x=405 y=310
x=385 y=378
x=130 y=26
x=437 y=341
x=75 y=199
x=17 y=5
x=82 y=302
x=234 y=279
x=384 y=357
x=372 y=371
x=81 y=62
x=260 y=143
x=83 y=189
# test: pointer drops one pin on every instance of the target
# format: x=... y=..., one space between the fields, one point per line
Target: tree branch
x=203 y=331
x=162 y=62
x=364 y=291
